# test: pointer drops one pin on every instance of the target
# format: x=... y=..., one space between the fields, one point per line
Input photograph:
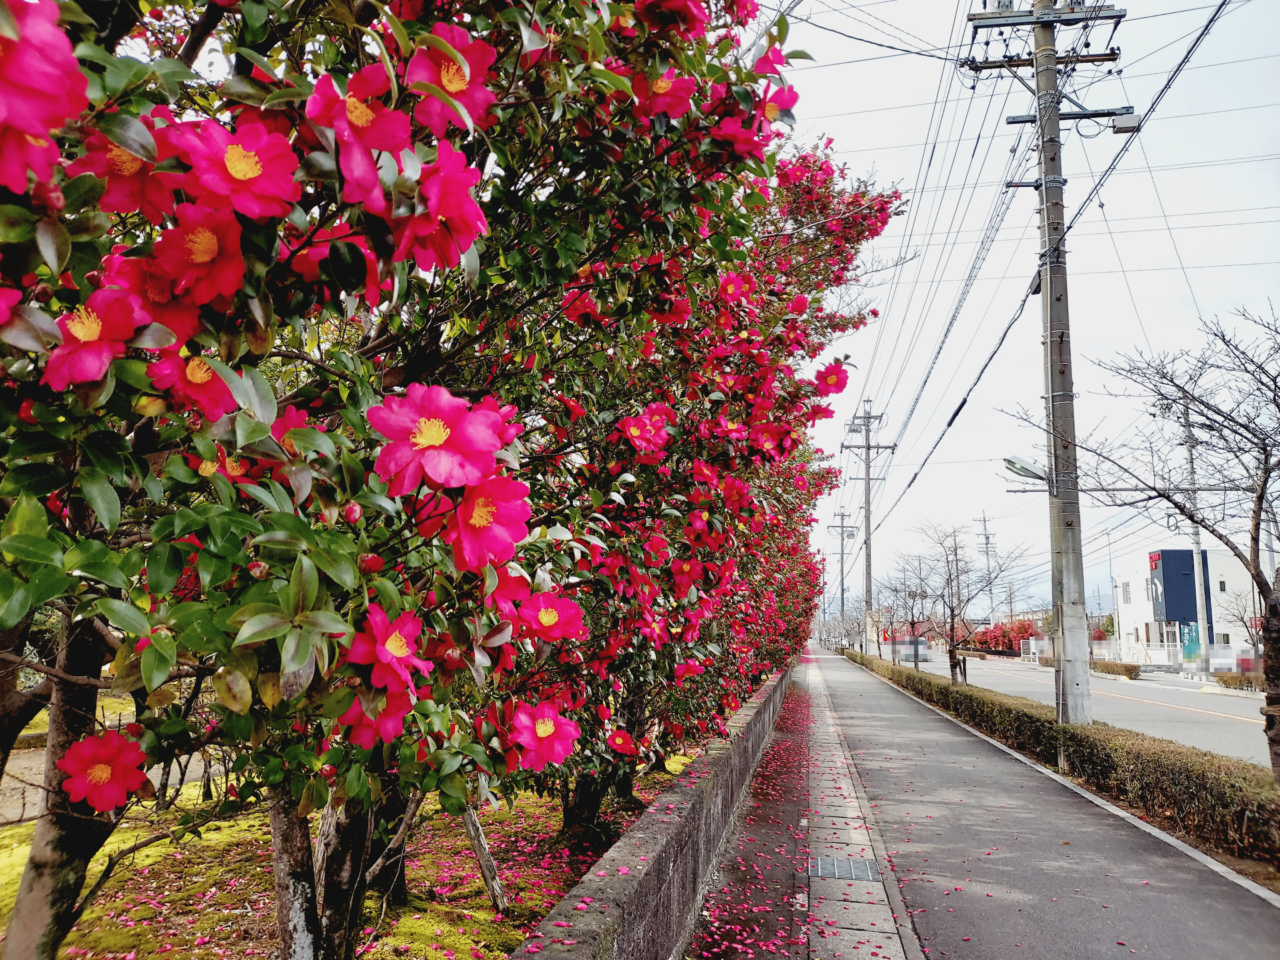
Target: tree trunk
x=390 y=880
x=488 y=869
x=295 y=880
x=582 y=812
x=1271 y=674
x=69 y=834
x=345 y=836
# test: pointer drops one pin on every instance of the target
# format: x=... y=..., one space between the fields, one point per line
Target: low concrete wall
x=648 y=913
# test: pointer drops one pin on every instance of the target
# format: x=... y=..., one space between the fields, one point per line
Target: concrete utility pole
x=986 y=551
x=843 y=516
x=1070 y=621
x=1197 y=563
x=862 y=422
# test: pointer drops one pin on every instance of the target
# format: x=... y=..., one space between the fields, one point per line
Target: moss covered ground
x=213 y=897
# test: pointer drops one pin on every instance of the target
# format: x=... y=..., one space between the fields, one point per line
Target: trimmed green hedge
x=1047 y=662
x=1130 y=670
x=972 y=653
x=1229 y=803
x=1242 y=681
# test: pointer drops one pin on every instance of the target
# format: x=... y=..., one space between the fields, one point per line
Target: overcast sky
x=1200 y=189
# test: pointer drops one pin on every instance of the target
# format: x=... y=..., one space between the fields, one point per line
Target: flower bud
x=328 y=771
x=371 y=563
x=42 y=293
x=352 y=512
x=259 y=570
x=135 y=730
x=25 y=413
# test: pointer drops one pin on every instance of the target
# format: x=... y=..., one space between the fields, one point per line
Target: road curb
x=1204 y=859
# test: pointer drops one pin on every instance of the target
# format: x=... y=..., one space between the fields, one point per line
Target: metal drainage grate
x=843 y=869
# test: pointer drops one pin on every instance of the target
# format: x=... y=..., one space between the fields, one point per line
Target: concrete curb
x=1204 y=859
x=670 y=854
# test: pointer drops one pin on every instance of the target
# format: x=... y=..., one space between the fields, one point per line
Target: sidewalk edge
x=910 y=939
x=1221 y=869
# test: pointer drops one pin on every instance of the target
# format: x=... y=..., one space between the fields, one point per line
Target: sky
x=1188 y=226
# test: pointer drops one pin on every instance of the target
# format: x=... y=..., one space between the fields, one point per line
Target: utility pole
x=1070 y=621
x=1197 y=562
x=986 y=551
x=842 y=525
x=863 y=422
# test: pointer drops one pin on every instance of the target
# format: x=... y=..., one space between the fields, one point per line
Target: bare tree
x=910 y=587
x=958 y=580
x=1221 y=402
x=1240 y=608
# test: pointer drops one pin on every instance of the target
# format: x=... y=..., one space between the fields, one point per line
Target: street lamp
x=1024 y=468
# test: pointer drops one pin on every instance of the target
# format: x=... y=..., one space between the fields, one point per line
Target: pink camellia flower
x=132 y=186
x=686 y=19
x=391 y=647
x=737 y=494
x=142 y=276
x=644 y=433
x=668 y=94
x=777 y=105
x=363 y=731
x=552 y=618
x=742 y=140
x=546 y=736
x=191 y=384
x=489 y=523
x=621 y=741
x=361 y=125
x=250 y=170
x=511 y=588
x=291 y=418
x=41 y=87
x=93 y=336
x=307 y=262
x=832 y=378
x=202 y=253
x=434 y=435
x=687 y=573
x=103 y=771
x=687 y=669
x=770 y=62
x=736 y=287
x=436 y=67
x=448 y=219
x=9 y=298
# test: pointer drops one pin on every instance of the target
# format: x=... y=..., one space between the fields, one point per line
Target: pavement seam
x=1204 y=859
x=910 y=939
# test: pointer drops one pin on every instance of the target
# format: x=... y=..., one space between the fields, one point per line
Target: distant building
x=1155 y=604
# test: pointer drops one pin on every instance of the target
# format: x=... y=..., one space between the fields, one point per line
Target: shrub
x=1241 y=681
x=1228 y=803
x=1130 y=670
x=972 y=653
x=1046 y=662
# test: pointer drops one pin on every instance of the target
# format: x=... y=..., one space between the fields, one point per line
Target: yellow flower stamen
x=483 y=513
x=202 y=245
x=122 y=162
x=548 y=617
x=207 y=468
x=241 y=163
x=98 y=774
x=198 y=371
x=429 y=433
x=661 y=85
x=84 y=325
x=452 y=78
x=397 y=645
x=771 y=111
x=358 y=112
x=544 y=727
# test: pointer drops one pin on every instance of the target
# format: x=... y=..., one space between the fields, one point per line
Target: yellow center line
x=1157 y=703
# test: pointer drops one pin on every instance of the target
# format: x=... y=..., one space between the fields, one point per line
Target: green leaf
x=432 y=90
x=155 y=667
x=249 y=430
x=324 y=620
x=233 y=689
x=235 y=383
x=245 y=90
x=101 y=496
x=124 y=615
x=26 y=516
x=263 y=626
x=164 y=566
x=262 y=402
x=54 y=243
x=17 y=224
x=129 y=134
x=36 y=549
x=15 y=600
x=337 y=703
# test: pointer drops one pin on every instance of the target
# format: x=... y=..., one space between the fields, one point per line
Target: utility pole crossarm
x=1045 y=15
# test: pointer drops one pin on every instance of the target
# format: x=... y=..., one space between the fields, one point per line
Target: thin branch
x=55 y=672
x=397 y=842
x=200 y=33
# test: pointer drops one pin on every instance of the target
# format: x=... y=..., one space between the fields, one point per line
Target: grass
x=110 y=708
x=215 y=896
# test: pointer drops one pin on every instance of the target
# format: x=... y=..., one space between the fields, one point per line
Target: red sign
x=1154 y=559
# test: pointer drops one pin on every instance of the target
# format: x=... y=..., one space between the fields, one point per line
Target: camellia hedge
x=1231 y=804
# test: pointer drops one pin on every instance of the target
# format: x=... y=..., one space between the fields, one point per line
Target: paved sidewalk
x=996 y=860
x=803 y=803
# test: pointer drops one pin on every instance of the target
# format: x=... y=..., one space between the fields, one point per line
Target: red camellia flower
x=142 y=276
x=202 y=253
x=668 y=94
x=251 y=170
x=832 y=378
x=736 y=287
x=131 y=183
x=191 y=384
x=392 y=648
x=687 y=669
x=92 y=337
x=448 y=219
x=777 y=104
x=552 y=618
x=546 y=736
x=489 y=523
x=434 y=435
x=103 y=771
x=621 y=741
x=8 y=300
x=687 y=19
x=233 y=468
x=361 y=125
x=41 y=86
x=436 y=67
x=363 y=731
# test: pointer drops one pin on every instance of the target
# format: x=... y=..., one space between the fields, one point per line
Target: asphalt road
x=996 y=860
x=1156 y=705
